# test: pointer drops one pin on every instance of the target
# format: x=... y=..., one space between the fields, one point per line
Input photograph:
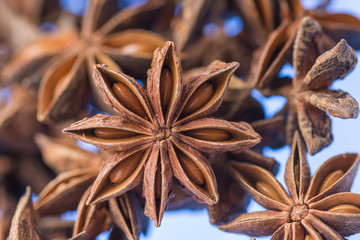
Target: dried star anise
x=277 y=50
x=318 y=208
x=159 y=133
x=23 y=222
x=308 y=93
x=65 y=76
x=70 y=189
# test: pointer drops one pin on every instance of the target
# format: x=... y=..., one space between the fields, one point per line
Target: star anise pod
x=23 y=222
x=308 y=93
x=124 y=212
x=158 y=134
x=65 y=76
x=318 y=208
x=269 y=60
x=71 y=188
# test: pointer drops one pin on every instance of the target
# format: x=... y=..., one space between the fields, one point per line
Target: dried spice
x=158 y=135
x=318 y=208
x=65 y=77
x=309 y=96
x=158 y=149
x=23 y=223
x=70 y=189
x=125 y=212
x=277 y=50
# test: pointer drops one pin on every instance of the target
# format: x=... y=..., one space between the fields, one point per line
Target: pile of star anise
x=161 y=91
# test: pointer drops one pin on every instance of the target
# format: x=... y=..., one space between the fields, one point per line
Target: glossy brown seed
x=297 y=175
x=345 y=208
x=199 y=98
x=127 y=166
x=268 y=191
x=136 y=48
x=191 y=169
x=128 y=99
x=158 y=181
x=209 y=134
x=166 y=85
x=330 y=180
x=112 y=133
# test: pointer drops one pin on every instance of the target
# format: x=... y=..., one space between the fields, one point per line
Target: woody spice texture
x=160 y=93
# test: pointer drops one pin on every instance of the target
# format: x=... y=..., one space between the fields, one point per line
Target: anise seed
x=191 y=169
x=330 y=180
x=112 y=133
x=268 y=191
x=158 y=181
x=199 y=98
x=209 y=134
x=127 y=166
x=345 y=208
x=127 y=98
x=135 y=48
x=166 y=85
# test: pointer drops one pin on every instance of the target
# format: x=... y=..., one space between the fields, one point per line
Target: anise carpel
x=309 y=97
x=320 y=208
x=160 y=132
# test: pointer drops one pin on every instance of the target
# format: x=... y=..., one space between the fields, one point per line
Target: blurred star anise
x=65 y=77
x=70 y=189
x=318 y=208
x=158 y=133
x=23 y=222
